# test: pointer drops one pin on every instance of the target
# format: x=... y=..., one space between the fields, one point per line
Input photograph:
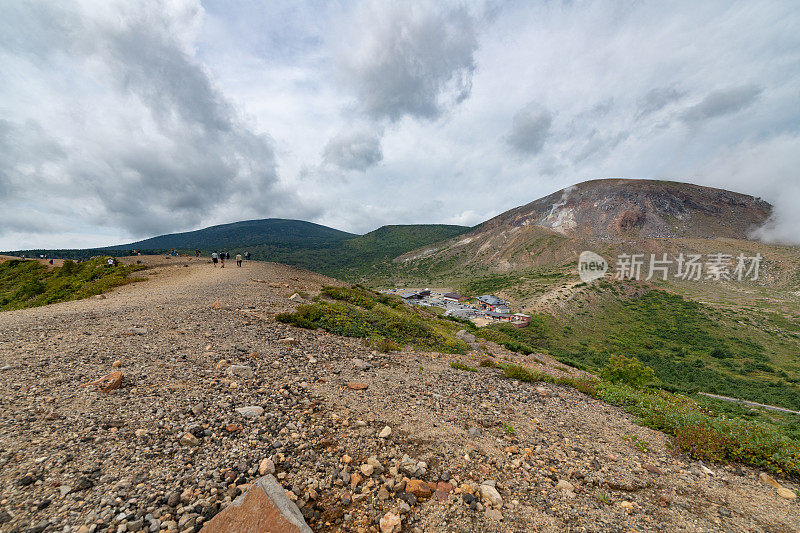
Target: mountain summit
x=622 y=209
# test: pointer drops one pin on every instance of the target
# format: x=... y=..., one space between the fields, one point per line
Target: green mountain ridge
x=295 y=242
x=243 y=233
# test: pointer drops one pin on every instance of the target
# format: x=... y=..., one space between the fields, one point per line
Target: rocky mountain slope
x=215 y=393
x=623 y=209
x=609 y=216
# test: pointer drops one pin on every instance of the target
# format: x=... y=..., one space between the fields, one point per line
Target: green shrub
x=401 y=325
x=384 y=345
x=629 y=371
x=30 y=284
x=705 y=435
x=458 y=365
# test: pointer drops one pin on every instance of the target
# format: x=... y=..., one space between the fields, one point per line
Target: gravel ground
x=440 y=449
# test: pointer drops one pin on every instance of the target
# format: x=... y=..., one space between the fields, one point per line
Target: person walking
x=215 y=258
x=239 y=260
x=222 y=259
x=247 y=256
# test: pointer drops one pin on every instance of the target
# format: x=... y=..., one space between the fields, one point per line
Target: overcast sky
x=121 y=120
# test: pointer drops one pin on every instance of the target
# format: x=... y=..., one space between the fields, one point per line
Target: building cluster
x=487 y=306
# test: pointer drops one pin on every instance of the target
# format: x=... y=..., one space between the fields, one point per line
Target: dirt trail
x=168 y=450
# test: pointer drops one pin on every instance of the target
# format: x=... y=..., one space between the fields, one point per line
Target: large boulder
x=264 y=508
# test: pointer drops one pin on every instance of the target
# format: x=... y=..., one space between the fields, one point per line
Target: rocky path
x=216 y=393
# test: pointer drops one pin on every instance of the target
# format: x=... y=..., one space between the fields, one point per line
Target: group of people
x=220 y=257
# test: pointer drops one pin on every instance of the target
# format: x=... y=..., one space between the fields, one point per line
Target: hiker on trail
x=215 y=258
x=247 y=256
x=239 y=260
x=110 y=262
x=222 y=259
x=197 y=253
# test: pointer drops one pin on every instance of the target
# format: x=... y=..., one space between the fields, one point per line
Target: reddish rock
x=443 y=490
x=264 y=508
x=233 y=428
x=357 y=386
x=112 y=381
x=418 y=488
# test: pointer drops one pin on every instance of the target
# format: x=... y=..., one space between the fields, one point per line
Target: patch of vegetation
x=690 y=346
x=699 y=431
x=703 y=433
x=587 y=386
x=383 y=345
x=629 y=371
x=358 y=312
x=459 y=365
x=638 y=443
x=31 y=284
x=509 y=430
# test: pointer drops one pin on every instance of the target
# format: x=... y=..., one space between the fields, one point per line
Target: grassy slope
x=31 y=284
x=691 y=346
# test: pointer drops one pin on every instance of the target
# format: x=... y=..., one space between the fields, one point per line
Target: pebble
x=565 y=485
x=385 y=432
x=266 y=466
x=241 y=372
x=187 y=439
x=390 y=523
x=491 y=496
x=250 y=411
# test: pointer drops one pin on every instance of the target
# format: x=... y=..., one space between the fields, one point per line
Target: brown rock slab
x=787 y=494
x=264 y=508
x=653 y=469
x=357 y=386
x=112 y=381
x=418 y=488
x=766 y=479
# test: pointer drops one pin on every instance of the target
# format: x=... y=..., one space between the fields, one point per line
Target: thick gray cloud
x=657 y=99
x=129 y=126
x=530 y=129
x=722 y=102
x=357 y=150
x=409 y=58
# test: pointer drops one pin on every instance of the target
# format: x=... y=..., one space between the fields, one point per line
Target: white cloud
x=407 y=59
x=355 y=150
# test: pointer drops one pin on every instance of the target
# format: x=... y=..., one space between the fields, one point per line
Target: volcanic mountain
x=607 y=215
x=613 y=209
